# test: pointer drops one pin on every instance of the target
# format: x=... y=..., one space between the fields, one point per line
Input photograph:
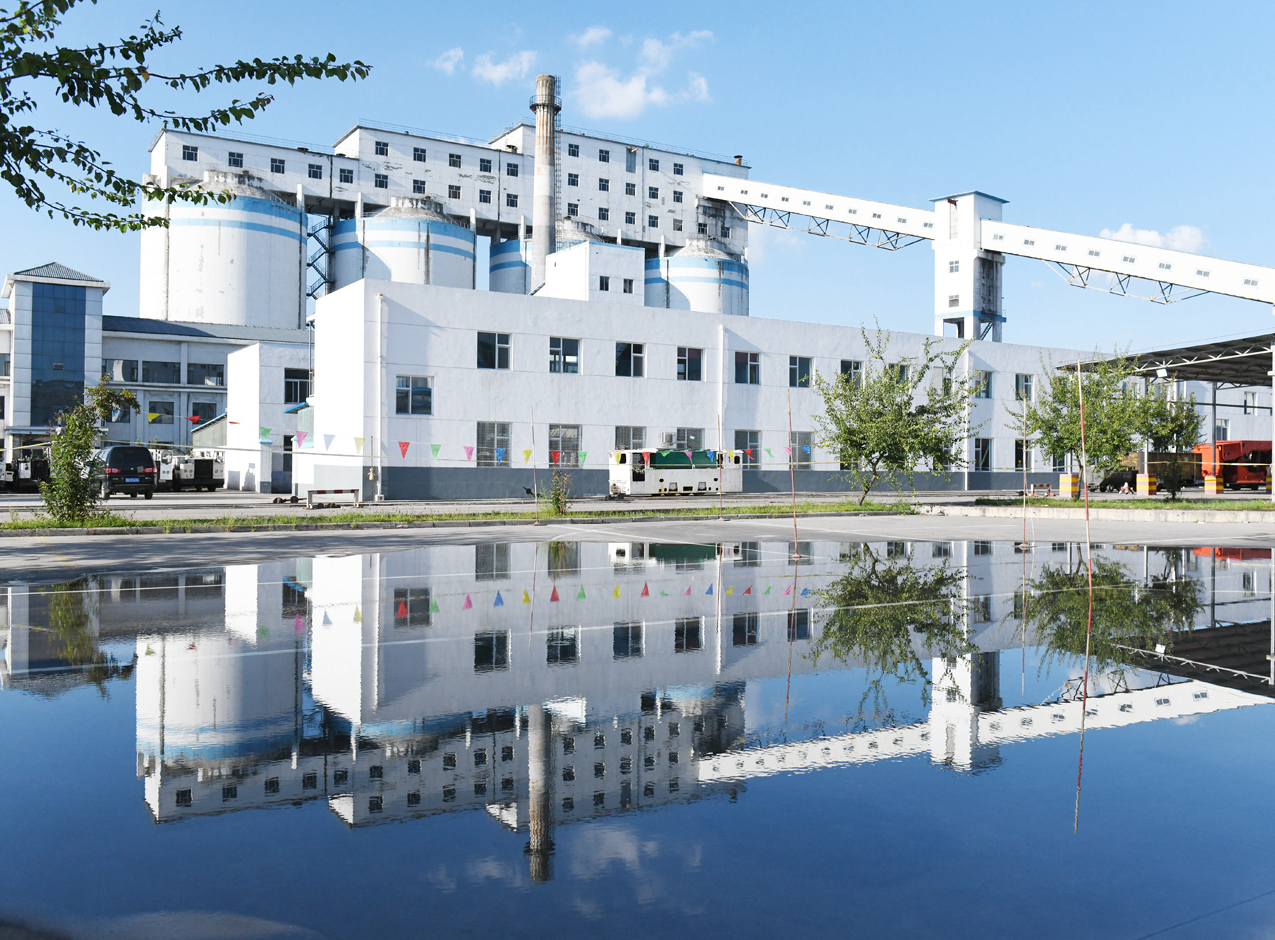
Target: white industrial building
x=357 y=269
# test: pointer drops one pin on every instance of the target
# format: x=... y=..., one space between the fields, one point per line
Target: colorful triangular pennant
x=301 y=436
x=580 y=596
x=402 y=610
x=327 y=440
x=616 y=592
x=358 y=444
x=500 y=456
x=469 y=452
x=554 y=595
x=358 y=615
x=433 y=605
x=749 y=589
x=710 y=590
x=500 y=601
x=583 y=454
x=731 y=589
x=767 y=591
x=526 y=598
x=469 y=603
x=646 y=591
x=403 y=446
x=434 y=449
x=526 y=456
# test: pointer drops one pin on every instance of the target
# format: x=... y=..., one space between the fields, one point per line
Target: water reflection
x=549 y=684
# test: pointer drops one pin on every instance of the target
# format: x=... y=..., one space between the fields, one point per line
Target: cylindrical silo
x=700 y=276
x=571 y=231
x=238 y=262
x=412 y=241
x=509 y=269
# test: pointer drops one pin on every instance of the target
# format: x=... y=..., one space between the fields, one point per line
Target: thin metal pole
x=792 y=477
x=1084 y=695
x=535 y=487
x=721 y=466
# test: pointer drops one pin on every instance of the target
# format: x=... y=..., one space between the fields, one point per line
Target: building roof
x=1238 y=363
x=53 y=273
x=254 y=334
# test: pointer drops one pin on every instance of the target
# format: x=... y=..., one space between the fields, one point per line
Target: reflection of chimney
x=543 y=199
x=540 y=780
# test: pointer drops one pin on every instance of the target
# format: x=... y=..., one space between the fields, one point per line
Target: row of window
x=630 y=160
x=164 y=373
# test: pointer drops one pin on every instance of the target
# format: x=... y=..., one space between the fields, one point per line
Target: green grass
x=298 y=519
x=1154 y=502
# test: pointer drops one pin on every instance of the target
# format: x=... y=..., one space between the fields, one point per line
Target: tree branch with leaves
x=114 y=76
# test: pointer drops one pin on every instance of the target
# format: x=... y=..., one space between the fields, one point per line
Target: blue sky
x=1085 y=116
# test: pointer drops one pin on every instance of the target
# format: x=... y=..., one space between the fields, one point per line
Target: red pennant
x=554 y=595
x=749 y=589
x=646 y=591
x=402 y=609
x=646 y=455
x=555 y=454
x=194 y=419
x=749 y=452
x=402 y=446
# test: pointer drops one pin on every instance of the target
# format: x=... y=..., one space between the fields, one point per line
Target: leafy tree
x=874 y=424
x=880 y=609
x=1113 y=418
x=70 y=495
x=112 y=76
x=70 y=620
x=1172 y=429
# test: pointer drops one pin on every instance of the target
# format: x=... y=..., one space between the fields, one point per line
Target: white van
x=675 y=472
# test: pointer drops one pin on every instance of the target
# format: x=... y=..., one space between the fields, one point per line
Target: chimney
x=739 y=159
x=543 y=199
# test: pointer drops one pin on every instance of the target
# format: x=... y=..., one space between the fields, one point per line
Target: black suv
x=128 y=470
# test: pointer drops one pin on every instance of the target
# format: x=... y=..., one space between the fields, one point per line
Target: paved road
x=60 y=558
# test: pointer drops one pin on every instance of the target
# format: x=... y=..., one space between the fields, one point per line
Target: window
x=953 y=267
x=688 y=635
x=296 y=386
x=382 y=181
x=744 y=632
x=491 y=653
x=953 y=300
x=1023 y=387
x=411 y=607
x=630 y=218
x=315 y=171
x=725 y=231
x=630 y=438
x=653 y=165
x=630 y=189
x=453 y=160
x=562 y=648
x=340 y=778
x=573 y=150
x=493 y=443
x=1022 y=455
x=747 y=368
x=491 y=561
x=161 y=373
x=689 y=364
x=120 y=414
x=511 y=200
x=677 y=169
x=493 y=350
x=689 y=439
x=652 y=221
x=573 y=209
x=564 y=354
x=802 y=445
x=381 y=147
x=982 y=454
x=1250 y=402
x=677 y=225
x=564 y=441
x=604 y=156
x=184 y=798
x=573 y=179
x=604 y=282
x=1222 y=430
x=203 y=373
x=604 y=186
x=630 y=160
x=418 y=189
x=626 y=640
x=234 y=159
x=347 y=175
x=983 y=383
x=677 y=195
x=799 y=624
x=116 y=370
x=189 y=152
x=630 y=359
x=748 y=444
x=484 y=196
x=627 y=285
x=453 y=192
x=511 y=169
x=799 y=369
x=418 y=155
x=414 y=395
x=276 y=165
x=160 y=412
x=981 y=608
x=701 y=228
x=652 y=192
x=229 y=793
x=604 y=214
x=854 y=369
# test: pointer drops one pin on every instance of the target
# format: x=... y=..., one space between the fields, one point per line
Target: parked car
x=127 y=469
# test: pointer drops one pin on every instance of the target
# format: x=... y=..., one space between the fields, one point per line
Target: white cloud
x=1179 y=238
x=604 y=91
x=591 y=36
x=515 y=67
x=448 y=61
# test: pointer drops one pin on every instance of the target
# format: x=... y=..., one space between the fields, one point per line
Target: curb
x=177 y=529
x=1097 y=514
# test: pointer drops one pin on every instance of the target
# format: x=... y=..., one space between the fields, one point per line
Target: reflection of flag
x=468 y=605
x=710 y=590
x=616 y=592
x=580 y=596
x=402 y=610
x=646 y=591
x=526 y=598
x=500 y=601
x=749 y=589
x=554 y=595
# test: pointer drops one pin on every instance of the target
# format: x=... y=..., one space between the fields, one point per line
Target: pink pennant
x=403 y=446
x=789 y=450
x=469 y=452
x=299 y=626
x=688 y=455
x=301 y=436
x=688 y=590
x=468 y=605
x=788 y=589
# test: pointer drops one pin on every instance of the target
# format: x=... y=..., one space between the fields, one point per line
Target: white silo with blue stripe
x=509 y=268
x=700 y=277
x=413 y=241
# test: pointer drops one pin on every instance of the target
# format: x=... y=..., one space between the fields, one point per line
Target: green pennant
x=435 y=448
x=580 y=596
x=433 y=605
x=583 y=454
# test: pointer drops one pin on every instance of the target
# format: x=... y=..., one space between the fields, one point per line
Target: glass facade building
x=57 y=350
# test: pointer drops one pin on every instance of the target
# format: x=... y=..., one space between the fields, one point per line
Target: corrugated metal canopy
x=1231 y=362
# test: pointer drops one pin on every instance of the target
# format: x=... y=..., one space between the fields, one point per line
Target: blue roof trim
x=117 y=324
x=299 y=406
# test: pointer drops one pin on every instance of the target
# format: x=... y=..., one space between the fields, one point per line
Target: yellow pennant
x=358 y=444
x=358 y=617
x=526 y=598
x=526 y=456
x=731 y=589
x=616 y=592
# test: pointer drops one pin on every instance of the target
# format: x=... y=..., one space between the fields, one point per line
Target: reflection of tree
x=70 y=621
x=1126 y=613
x=877 y=610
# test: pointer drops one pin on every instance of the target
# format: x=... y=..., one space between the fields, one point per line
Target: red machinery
x=1239 y=463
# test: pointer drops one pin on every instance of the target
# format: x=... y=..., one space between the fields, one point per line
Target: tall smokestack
x=545 y=105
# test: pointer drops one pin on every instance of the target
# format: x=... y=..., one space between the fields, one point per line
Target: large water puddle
x=642 y=739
